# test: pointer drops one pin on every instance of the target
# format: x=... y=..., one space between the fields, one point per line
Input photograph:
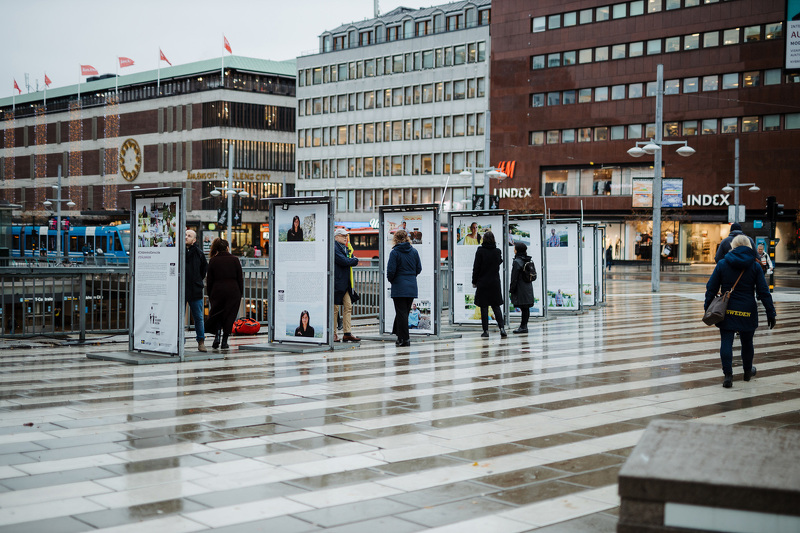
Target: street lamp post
x=653 y=147
x=488 y=174
x=49 y=202
x=734 y=187
x=230 y=191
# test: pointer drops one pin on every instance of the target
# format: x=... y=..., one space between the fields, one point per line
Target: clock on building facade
x=130 y=159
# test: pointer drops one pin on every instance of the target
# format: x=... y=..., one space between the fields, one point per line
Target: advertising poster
x=672 y=192
x=158 y=243
x=562 y=259
x=588 y=265
x=466 y=232
x=300 y=255
x=642 y=192
x=529 y=231
x=792 y=31
x=421 y=226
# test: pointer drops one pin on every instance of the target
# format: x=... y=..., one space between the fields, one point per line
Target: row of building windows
x=446 y=56
x=713 y=82
x=256 y=192
x=393 y=130
x=687 y=128
x=615 y=181
x=622 y=10
x=427 y=93
x=248 y=116
x=368 y=200
x=407 y=29
x=394 y=165
x=693 y=41
x=249 y=155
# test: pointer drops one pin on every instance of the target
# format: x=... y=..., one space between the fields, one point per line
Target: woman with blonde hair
x=740 y=267
x=402 y=270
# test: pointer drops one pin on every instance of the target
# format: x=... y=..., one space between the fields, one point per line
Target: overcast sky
x=56 y=36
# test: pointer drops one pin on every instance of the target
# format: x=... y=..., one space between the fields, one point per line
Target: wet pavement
x=503 y=435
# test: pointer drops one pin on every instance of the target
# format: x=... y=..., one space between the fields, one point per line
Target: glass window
x=427 y=93
x=651 y=88
x=537 y=100
x=634 y=131
x=584 y=135
x=554 y=60
x=637 y=8
x=618 y=51
x=459 y=54
x=553 y=22
x=691 y=3
x=617 y=133
x=459 y=89
x=552 y=137
x=554 y=98
x=730 y=80
x=691 y=42
x=567 y=136
x=772 y=122
x=749 y=124
x=653 y=46
x=653 y=6
x=618 y=92
x=752 y=34
x=690 y=127
x=792 y=121
x=710 y=83
x=650 y=130
x=672 y=87
x=471 y=88
x=709 y=126
x=569 y=58
x=710 y=39
x=635 y=90
x=672 y=44
x=601 y=53
x=584 y=96
x=472 y=53
x=537 y=62
x=673 y=4
x=570 y=19
x=636 y=49
x=730 y=125
x=568 y=97
x=772 y=76
x=691 y=85
x=481 y=51
x=672 y=129
x=585 y=56
x=601 y=13
x=601 y=133
x=752 y=78
x=481 y=87
x=619 y=11
x=586 y=16
x=773 y=31
x=427 y=59
x=730 y=36
x=538 y=24
x=537 y=138
x=459 y=126
x=601 y=94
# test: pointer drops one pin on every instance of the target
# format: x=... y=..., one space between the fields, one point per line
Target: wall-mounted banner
x=158 y=255
x=588 y=265
x=301 y=251
x=466 y=231
x=421 y=222
x=671 y=192
x=792 y=35
x=563 y=263
x=528 y=229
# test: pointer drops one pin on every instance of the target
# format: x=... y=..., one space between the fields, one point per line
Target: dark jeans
x=526 y=314
x=196 y=308
x=726 y=350
x=498 y=315
x=402 y=306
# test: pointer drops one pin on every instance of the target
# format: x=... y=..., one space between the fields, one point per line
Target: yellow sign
x=238 y=175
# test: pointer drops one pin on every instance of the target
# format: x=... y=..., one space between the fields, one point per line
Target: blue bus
x=78 y=243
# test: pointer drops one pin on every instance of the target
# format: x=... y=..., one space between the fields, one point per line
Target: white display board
x=563 y=264
x=301 y=244
x=158 y=255
x=421 y=222
x=528 y=229
x=600 y=239
x=466 y=227
x=588 y=265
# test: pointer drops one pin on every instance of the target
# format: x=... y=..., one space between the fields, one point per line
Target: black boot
x=485 y=334
x=728 y=381
x=215 y=345
x=503 y=333
x=225 y=342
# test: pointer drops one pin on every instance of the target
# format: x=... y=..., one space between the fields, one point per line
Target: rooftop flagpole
x=222 y=63
x=158 y=76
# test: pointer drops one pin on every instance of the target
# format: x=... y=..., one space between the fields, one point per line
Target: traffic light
x=774 y=209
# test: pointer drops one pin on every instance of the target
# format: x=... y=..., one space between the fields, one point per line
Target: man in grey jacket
x=725 y=245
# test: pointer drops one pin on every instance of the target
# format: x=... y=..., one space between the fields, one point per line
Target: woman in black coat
x=402 y=270
x=295 y=233
x=521 y=290
x=225 y=285
x=742 y=312
x=486 y=280
x=304 y=329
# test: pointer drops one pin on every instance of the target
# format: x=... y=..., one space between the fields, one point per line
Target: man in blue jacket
x=343 y=284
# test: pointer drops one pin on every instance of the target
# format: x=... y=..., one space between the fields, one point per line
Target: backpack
x=529 y=271
x=246 y=326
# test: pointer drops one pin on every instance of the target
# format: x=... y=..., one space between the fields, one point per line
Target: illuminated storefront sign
x=241 y=175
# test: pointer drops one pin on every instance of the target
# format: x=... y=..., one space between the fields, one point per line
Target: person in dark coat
x=225 y=287
x=402 y=270
x=609 y=258
x=343 y=283
x=725 y=246
x=486 y=280
x=295 y=233
x=304 y=329
x=196 y=266
x=521 y=290
x=742 y=312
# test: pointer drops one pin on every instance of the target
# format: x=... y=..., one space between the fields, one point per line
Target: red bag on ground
x=246 y=326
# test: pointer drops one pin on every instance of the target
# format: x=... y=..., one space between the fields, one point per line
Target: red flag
x=88 y=70
x=163 y=57
x=125 y=62
x=47 y=81
x=19 y=91
x=227 y=44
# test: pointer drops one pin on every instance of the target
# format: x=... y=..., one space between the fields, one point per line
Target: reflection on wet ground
x=480 y=435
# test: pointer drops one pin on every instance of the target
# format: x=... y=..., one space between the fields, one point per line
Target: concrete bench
x=691 y=477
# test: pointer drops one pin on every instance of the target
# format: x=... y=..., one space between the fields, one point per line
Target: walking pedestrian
x=402 y=270
x=343 y=284
x=196 y=266
x=725 y=246
x=763 y=258
x=609 y=258
x=521 y=290
x=740 y=267
x=225 y=287
x=486 y=281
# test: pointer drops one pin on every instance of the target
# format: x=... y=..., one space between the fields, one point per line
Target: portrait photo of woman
x=304 y=329
x=295 y=233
